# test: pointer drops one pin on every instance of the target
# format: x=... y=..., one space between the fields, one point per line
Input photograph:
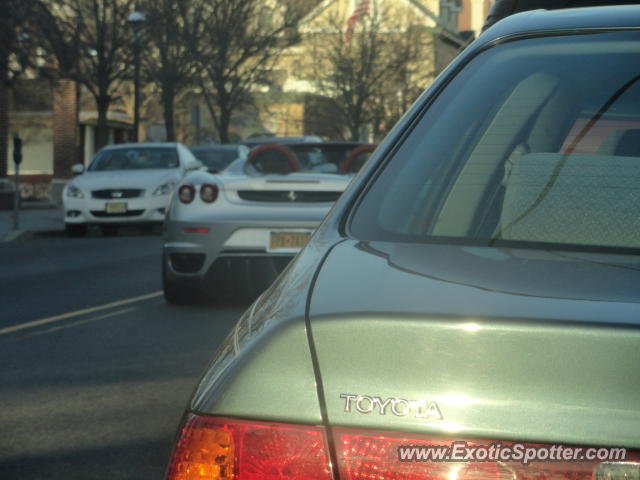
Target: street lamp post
x=136 y=20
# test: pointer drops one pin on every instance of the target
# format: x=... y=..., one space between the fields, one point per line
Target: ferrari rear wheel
x=175 y=294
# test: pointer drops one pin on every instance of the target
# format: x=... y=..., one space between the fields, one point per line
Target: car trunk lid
x=479 y=342
x=296 y=189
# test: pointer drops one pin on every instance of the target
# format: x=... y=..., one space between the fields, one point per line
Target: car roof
x=141 y=144
x=215 y=146
x=503 y=8
x=584 y=18
x=252 y=142
x=327 y=145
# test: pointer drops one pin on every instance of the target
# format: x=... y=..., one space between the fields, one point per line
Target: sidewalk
x=34 y=217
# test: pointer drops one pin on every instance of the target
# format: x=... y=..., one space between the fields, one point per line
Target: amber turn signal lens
x=204 y=451
x=211 y=448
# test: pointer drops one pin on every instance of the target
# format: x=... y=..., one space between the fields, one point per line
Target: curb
x=18 y=235
x=14 y=235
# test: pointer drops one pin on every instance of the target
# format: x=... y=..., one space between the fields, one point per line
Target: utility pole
x=136 y=19
x=17 y=159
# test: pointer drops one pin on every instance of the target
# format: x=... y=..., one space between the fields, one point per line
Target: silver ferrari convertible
x=228 y=235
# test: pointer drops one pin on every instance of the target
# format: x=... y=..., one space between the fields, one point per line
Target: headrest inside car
x=629 y=144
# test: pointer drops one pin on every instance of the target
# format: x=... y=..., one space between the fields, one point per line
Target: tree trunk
x=354 y=119
x=168 y=105
x=379 y=125
x=102 y=129
x=64 y=95
x=354 y=130
x=223 y=126
x=221 y=116
x=212 y=110
x=4 y=120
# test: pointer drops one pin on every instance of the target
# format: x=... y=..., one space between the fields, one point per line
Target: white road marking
x=82 y=322
x=77 y=313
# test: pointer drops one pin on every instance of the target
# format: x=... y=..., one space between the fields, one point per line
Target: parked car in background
x=257 y=141
x=470 y=306
x=217 y=157
x=229 y=234
x=125 y=184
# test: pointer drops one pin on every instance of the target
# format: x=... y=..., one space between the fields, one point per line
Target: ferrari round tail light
x=211 y=448
x=209 y=193
x=186 y=193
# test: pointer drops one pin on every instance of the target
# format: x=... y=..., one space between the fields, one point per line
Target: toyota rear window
x=536 y=142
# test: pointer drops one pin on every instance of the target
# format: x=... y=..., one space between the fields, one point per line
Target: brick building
x=473 y=14
x=56 y=121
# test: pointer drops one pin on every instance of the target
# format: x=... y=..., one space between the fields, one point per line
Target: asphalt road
x=95 y=368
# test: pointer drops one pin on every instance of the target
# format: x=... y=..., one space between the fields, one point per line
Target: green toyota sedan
x=470 y=307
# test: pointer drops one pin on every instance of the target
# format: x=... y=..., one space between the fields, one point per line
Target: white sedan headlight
x=74 y=192
x=165 y=188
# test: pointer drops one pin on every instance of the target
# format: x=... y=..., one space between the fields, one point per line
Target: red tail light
x=221 y=449
x=371 y=456
x=209 y=193
x=195 y=230
x=212 y=448
x=186 y=193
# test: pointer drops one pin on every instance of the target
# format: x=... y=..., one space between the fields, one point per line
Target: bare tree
x=372 y=72
x=16 y=49
x=398 y=91
x=236 y=44
x=169 y=62
x=323 y=117
x=91 y=44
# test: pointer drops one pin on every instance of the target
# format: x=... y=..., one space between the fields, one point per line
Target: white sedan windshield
x=135 y=159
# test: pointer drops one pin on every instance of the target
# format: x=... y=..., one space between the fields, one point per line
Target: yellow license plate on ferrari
x=288 y=240
x=116 y=207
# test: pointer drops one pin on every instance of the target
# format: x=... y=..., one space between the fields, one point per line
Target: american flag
x=361 y=10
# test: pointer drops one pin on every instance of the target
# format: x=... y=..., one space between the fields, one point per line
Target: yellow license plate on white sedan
x=288 y=241
x=116 y=207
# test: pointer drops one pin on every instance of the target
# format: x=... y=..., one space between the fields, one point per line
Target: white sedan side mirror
x=193 y=165
x=77 y=169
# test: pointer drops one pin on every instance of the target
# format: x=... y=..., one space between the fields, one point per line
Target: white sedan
x=125 y=184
